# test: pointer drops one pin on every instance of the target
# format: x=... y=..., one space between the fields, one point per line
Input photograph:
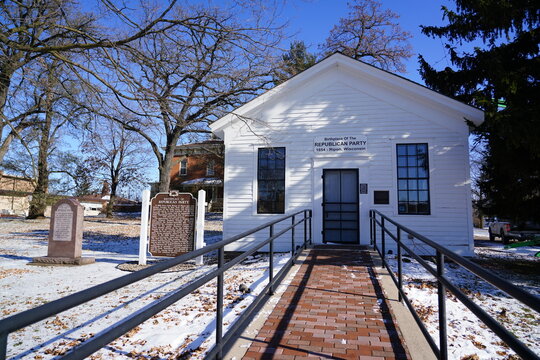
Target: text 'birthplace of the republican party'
x=340 y=144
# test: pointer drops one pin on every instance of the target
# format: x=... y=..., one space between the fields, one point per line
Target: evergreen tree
x=294 y=61
x=84 y=181
x=502 y=78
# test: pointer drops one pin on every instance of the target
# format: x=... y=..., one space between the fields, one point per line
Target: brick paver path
x=333 y=309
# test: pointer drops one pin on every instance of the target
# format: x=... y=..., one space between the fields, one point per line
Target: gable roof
x=475 y=115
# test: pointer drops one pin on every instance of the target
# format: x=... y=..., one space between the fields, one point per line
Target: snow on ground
x=497 y=250
x=468 y=336
x=185 y=329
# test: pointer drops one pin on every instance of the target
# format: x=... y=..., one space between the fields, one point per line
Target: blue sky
x=311 y=21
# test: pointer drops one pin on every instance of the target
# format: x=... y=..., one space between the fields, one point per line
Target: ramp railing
x=88 y=347
x=379 y=226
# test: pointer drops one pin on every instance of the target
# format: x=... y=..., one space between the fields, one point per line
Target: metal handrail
x=29 y=317
x=444 y=284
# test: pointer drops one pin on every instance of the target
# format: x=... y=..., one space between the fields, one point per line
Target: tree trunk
x=5 y=81
x=166 y=163
x=164 y=174
x=38 y=204
x=110 y=205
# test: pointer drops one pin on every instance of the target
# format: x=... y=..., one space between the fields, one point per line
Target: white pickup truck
x=507 y=231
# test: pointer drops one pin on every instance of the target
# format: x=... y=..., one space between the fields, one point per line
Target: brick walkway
x=333 y=309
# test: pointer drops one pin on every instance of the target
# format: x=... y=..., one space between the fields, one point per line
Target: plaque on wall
x=172 y=224
x=363 y=188
x=381 y=197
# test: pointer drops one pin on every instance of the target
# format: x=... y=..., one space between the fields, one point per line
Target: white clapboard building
x=344 y=137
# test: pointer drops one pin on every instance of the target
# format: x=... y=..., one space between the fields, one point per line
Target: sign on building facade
x=340 y=144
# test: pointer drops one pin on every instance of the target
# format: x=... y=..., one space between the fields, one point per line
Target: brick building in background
x=200 y=166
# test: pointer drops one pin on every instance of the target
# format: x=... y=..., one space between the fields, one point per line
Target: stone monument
x=65 y=235
x=172 y=224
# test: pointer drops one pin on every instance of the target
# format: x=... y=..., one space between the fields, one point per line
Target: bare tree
x=51 y=93
x=116 y=156
x=76 y=174
x=192 y=74
x=31 y=29
x=371 y=34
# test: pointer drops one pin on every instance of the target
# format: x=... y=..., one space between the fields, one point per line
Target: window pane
x=422 y=173
x=413 y=195
x=413 y=172
x=402 y=184
x=411 y=149
x=263 y=153
x=423 y=196
x=422 y=161
x=210 y=168
x=423 y=208
x=183 y=167
x=402 y=161
x=401 y=150
x=402 y=208
x=402 y=196
x=402 y=172
x=411 y=160
x=413 y=185
x=422 y=184
x=265 y=174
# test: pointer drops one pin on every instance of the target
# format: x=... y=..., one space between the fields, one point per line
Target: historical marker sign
x=65 y=236
x=172 y=224
x=66 y=229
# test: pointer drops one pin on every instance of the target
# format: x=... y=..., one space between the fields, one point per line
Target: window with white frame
x=210 y=168
x=271 y=181
x=183 y=166
x=413 y=179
